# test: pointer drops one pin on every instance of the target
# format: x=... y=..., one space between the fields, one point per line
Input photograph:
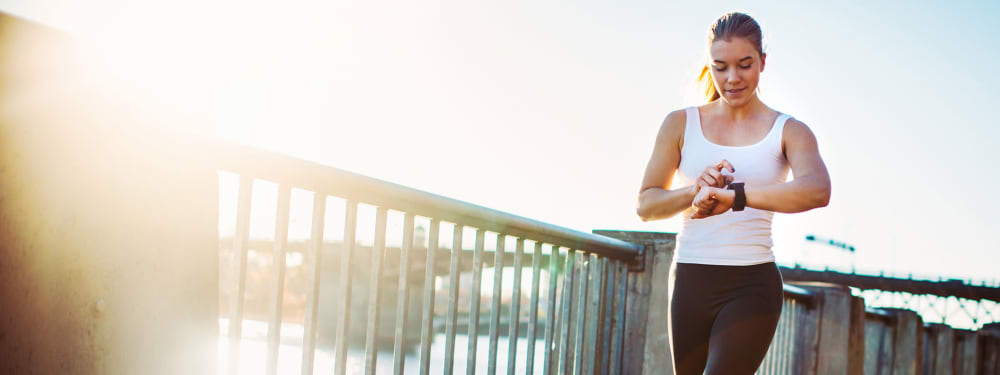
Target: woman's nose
x=732 y=76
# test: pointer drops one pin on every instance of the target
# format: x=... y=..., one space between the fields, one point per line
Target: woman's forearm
x=800 y=194
x=659 y=203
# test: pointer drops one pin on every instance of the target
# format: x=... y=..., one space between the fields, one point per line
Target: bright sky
x=549 y=109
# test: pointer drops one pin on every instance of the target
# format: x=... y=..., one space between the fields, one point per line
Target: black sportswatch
x=740 y=202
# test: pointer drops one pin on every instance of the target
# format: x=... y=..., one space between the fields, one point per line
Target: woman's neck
x=738 y=114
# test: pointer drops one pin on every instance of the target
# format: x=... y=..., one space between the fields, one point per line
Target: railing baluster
x=515 y=308
x=344 y=311
x=398 y=351
x=595 y=315
x=782 y=349
x=565 y=317
x=427 y=323
x=536 y=262
x=763 y=368
x=617 y=341
x=581 y=315
x=786 y=347
x=767 y=364
x=278 y=293
x=240 y=240
x=802 y=354
x=451 y=324
x=788 y=338
x=791 y=337
x=550 y=352
x=592 y=339
x=312 y=292
x=609 y=312
x=378 y=253
x=495 y=306
x=477 y=276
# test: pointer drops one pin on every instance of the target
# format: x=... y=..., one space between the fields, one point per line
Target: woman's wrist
x=691 y=192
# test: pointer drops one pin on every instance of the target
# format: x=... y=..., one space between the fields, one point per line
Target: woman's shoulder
x=797 y=135
x=677 y=116
x=795 y=128
x=674 y=123
x=672 y=128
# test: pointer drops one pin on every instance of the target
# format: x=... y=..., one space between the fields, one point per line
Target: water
x=253 y=353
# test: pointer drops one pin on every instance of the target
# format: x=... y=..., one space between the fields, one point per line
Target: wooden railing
x=601 y=310
x=584 y=329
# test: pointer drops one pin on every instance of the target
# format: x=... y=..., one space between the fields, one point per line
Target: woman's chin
x=736 y=101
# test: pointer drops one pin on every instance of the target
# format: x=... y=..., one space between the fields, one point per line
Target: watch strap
x=740 y=202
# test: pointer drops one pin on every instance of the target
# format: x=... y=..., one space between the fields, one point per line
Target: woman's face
x=736 y=67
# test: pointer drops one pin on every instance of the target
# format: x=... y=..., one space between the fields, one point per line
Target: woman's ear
x=763 y=58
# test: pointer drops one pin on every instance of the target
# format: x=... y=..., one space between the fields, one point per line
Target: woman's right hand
x=712 y=175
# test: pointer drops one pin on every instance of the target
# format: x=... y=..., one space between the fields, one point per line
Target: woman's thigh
x=743 y=328
x=691 y=317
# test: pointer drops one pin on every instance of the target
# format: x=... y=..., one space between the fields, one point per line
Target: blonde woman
x=731 y=157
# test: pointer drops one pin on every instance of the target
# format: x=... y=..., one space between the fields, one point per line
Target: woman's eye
x=747 y=67
x=719 y=69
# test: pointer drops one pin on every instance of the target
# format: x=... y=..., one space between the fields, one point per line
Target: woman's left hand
x=712 y=201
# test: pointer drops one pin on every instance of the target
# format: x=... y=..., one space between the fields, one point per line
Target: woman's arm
x=656 y=200
x=810 y=188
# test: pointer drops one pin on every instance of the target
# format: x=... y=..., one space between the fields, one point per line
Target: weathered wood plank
x=278 y=292
x=451 y=325
x=477 y=275
x=495 y=306
x=550 y=354
x=374 y=298
x=427 y=322
x=579 y=352
x=240 y=248
x=344 y=304
x=515 y=309
x=398 y=351
x=529 y=360
x=312 y=285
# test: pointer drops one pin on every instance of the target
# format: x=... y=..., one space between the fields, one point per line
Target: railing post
x=965 y=352
x=836 y=310
x=646 y=304
x=989 y=349
x=856 y=337
x=879 y=331
x=908 y=342
x=938 y=349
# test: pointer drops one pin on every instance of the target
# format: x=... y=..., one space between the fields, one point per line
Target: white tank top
x=731 y=238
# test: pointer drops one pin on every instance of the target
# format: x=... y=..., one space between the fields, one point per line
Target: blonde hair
x=731 y=25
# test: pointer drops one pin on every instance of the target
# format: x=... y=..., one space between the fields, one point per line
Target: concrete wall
x=108 y=221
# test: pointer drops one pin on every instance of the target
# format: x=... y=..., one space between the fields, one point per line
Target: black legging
x=722 y=318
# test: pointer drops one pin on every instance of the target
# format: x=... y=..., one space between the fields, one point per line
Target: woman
x=732 y=157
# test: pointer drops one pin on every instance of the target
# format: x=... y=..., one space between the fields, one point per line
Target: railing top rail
x=880 y=314
x=801 y=294
x=337 y=182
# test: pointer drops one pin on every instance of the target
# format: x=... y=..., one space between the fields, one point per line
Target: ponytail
x=705 y=80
